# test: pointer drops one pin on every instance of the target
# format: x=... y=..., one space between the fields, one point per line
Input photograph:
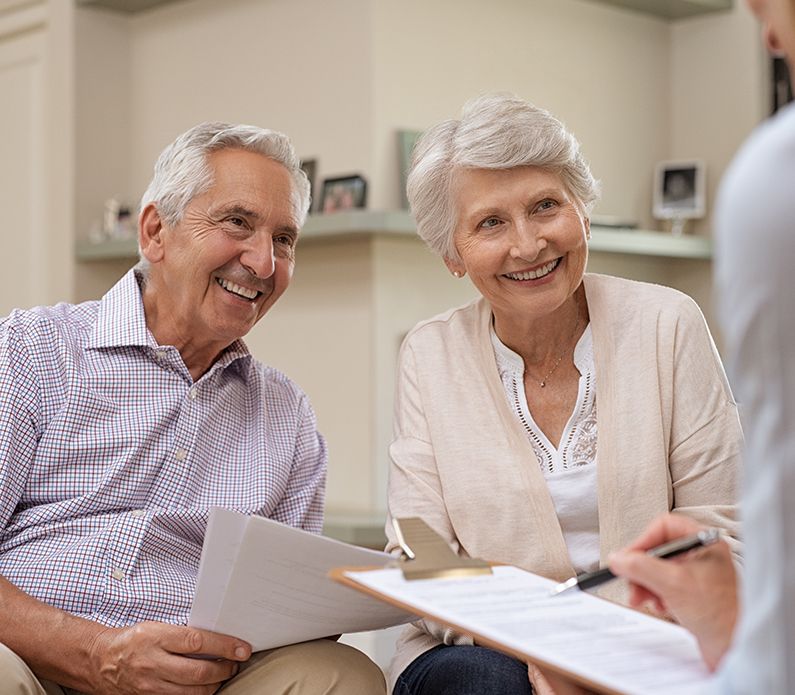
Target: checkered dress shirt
x=111 y=456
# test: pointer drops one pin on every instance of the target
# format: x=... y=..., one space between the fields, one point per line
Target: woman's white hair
x=182 y=171
x=495 y=131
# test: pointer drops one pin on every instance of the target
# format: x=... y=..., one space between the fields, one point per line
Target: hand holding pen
x=672 y=548
x=699 y=591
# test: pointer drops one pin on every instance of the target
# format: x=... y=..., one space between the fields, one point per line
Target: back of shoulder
x=756 y=193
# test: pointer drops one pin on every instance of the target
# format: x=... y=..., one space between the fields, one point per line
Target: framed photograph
x=406 y=141
x=343 y=193
x=310 y=168
x=680 y=190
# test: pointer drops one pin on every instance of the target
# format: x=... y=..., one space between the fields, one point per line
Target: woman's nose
x=527 y=241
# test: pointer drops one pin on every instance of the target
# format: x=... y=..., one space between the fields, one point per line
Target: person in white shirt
x=756 y=288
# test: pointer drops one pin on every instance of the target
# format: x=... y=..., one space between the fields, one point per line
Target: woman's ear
x=455 y=267
x=150 y=234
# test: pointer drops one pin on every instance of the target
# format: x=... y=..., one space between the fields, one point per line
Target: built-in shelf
x=129 y=6
x=357 y=222
x=672 y=9
x=669 y=9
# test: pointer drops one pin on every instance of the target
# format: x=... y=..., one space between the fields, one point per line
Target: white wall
x=718 y=71
x=103 y=149
x=603 y=71
x=341 y=78
x=302 y=67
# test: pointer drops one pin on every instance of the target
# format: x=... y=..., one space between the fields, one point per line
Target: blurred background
x=94 y=89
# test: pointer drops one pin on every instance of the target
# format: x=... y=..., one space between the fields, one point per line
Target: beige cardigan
x=669 y=436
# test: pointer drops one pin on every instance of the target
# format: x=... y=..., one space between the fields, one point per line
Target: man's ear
x=150 y=234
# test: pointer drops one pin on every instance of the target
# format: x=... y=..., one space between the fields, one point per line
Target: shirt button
x=180 y=454
x=117 y=574
x=138 y=512
x=193 y=393
x=161 y=355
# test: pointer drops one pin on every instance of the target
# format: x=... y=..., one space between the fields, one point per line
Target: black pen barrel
x=588 y=580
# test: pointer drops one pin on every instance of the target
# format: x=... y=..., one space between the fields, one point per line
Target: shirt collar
x=121 y=322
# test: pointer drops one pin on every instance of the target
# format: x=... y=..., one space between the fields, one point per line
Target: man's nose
x=258 y=256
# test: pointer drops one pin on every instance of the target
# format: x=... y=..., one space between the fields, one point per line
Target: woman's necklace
x=543 y=381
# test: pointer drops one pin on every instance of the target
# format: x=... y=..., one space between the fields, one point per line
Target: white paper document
x=623 y=650
x=267 y=583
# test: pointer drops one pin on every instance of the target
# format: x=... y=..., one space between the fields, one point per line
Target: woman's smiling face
x=521 y=237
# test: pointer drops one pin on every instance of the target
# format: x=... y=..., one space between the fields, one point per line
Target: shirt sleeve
x=706 y=437
x=302 y=503
x=19 y=399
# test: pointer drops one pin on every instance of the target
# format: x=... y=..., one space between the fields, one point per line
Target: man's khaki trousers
x=321 y=667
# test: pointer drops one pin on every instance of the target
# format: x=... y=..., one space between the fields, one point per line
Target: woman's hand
x=699 y=589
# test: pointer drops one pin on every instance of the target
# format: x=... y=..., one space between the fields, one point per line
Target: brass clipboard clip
x=427 y=556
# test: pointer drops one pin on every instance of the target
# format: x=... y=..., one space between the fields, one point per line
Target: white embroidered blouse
x=569 y=468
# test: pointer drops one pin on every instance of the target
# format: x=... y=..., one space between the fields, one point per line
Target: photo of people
x=344 y=193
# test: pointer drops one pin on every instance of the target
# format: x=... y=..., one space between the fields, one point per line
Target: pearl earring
x=456 y=274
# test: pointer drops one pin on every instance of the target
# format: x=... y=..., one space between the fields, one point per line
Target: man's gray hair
x=495 y=131
x=182 y=171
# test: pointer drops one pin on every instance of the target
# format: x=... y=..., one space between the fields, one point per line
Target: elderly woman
x=548 y=422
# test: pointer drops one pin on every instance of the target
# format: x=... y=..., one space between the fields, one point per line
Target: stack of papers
x=267 y=583
x=601 y=645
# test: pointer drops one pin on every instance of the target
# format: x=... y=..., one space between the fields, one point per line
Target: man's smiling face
x=231 y=256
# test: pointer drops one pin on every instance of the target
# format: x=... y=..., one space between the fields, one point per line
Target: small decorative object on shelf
x=679 y=192
x=343 y=193
x=310 y=167
x=117 y=223
x=406 y=141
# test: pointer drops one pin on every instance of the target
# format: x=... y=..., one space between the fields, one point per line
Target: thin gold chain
x=543 y=381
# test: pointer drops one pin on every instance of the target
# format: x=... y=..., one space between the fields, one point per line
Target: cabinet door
x=22 y=180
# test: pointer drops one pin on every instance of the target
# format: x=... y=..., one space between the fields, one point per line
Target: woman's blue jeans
x=463 y=670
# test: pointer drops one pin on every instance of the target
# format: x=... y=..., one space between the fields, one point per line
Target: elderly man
x=123 y=421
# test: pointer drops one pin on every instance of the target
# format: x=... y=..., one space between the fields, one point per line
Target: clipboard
x=512 y=611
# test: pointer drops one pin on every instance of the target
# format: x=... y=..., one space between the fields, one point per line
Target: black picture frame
x=343 y=193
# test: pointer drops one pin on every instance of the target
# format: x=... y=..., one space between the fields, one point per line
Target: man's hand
x=159 y=658
x=699 y=589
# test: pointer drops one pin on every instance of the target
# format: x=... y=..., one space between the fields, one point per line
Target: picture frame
x=680 y=190
x=343 y=193
x=309 y=167
x=406 y=141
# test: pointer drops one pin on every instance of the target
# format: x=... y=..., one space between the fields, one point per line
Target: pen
x=588 y=580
